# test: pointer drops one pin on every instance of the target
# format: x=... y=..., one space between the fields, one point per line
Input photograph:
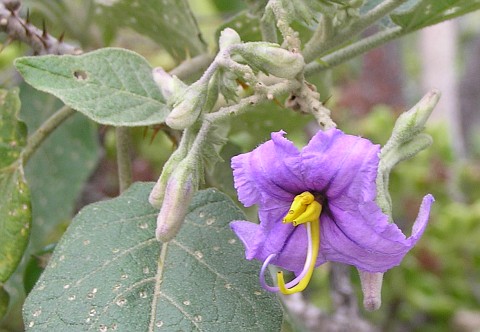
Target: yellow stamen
x=311 y=214
x=299 y=205
x=304 y=210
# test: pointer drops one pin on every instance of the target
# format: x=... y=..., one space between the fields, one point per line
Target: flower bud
x=372 y=289
x=413 y=121
x=179 y=191
x=189 y=107
x=271 y=59
x=158 y=192
x=170 y=86
x=228 y=85
x=156 y=195
x=227 y=38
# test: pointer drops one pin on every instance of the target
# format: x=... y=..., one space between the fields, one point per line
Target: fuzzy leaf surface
x=426 y=13
x=170 y=23
x=109 y=272
x=111 y=86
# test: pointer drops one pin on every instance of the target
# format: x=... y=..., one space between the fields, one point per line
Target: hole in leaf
x=80 y=75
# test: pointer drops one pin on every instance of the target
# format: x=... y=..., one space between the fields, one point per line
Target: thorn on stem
x=44 y=29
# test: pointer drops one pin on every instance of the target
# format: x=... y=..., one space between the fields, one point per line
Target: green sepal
x=405 y=142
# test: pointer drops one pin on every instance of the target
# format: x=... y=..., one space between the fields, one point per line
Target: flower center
x=304 y=210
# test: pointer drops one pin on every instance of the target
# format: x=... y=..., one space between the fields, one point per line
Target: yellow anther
x=311 y=214
x=299 y=205
x=313 y=231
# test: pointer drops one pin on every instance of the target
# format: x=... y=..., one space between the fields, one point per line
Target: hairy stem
x=245 y=103
x=353 y=50
x=267 y=27
x=124 y=162
x=39 y=40
x=323 y=32
x=44 y=131
x=275 y=11
x=315 y=47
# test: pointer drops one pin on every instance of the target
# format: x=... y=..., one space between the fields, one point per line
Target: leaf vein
x=185 y=314
x=217 y=274
x=110 y=261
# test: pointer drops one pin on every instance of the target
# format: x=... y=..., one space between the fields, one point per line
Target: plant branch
x=263 y=94
x=39 y=40
x=44 y=131
x=315 y=47
x=124 y=162
x=192 y=66
x=353 y=50
x=274 y=11
x=244 y=104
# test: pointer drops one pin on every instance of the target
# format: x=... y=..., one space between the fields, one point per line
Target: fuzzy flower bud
x=158 y=192
x=179 y=191
x=372 y=289
x=271 y=59
x=188 y=108
x=170 y=86
x=227 y=38
x=413 y=121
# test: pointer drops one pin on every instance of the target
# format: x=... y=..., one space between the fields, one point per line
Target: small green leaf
x=111 y=86
x=168 y=22
x=431 y=12
x=109 y=272
x=15 y=214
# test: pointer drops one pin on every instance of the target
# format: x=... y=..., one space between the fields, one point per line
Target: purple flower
x=318 y=205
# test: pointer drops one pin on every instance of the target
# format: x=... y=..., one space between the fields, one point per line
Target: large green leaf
x=168 y=22
x=57 y=172
x=109 y=272
x=430 y=12
x=111 y=86
x=15 y=214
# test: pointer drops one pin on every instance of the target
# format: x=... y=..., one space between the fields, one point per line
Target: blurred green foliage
x=439 y=277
